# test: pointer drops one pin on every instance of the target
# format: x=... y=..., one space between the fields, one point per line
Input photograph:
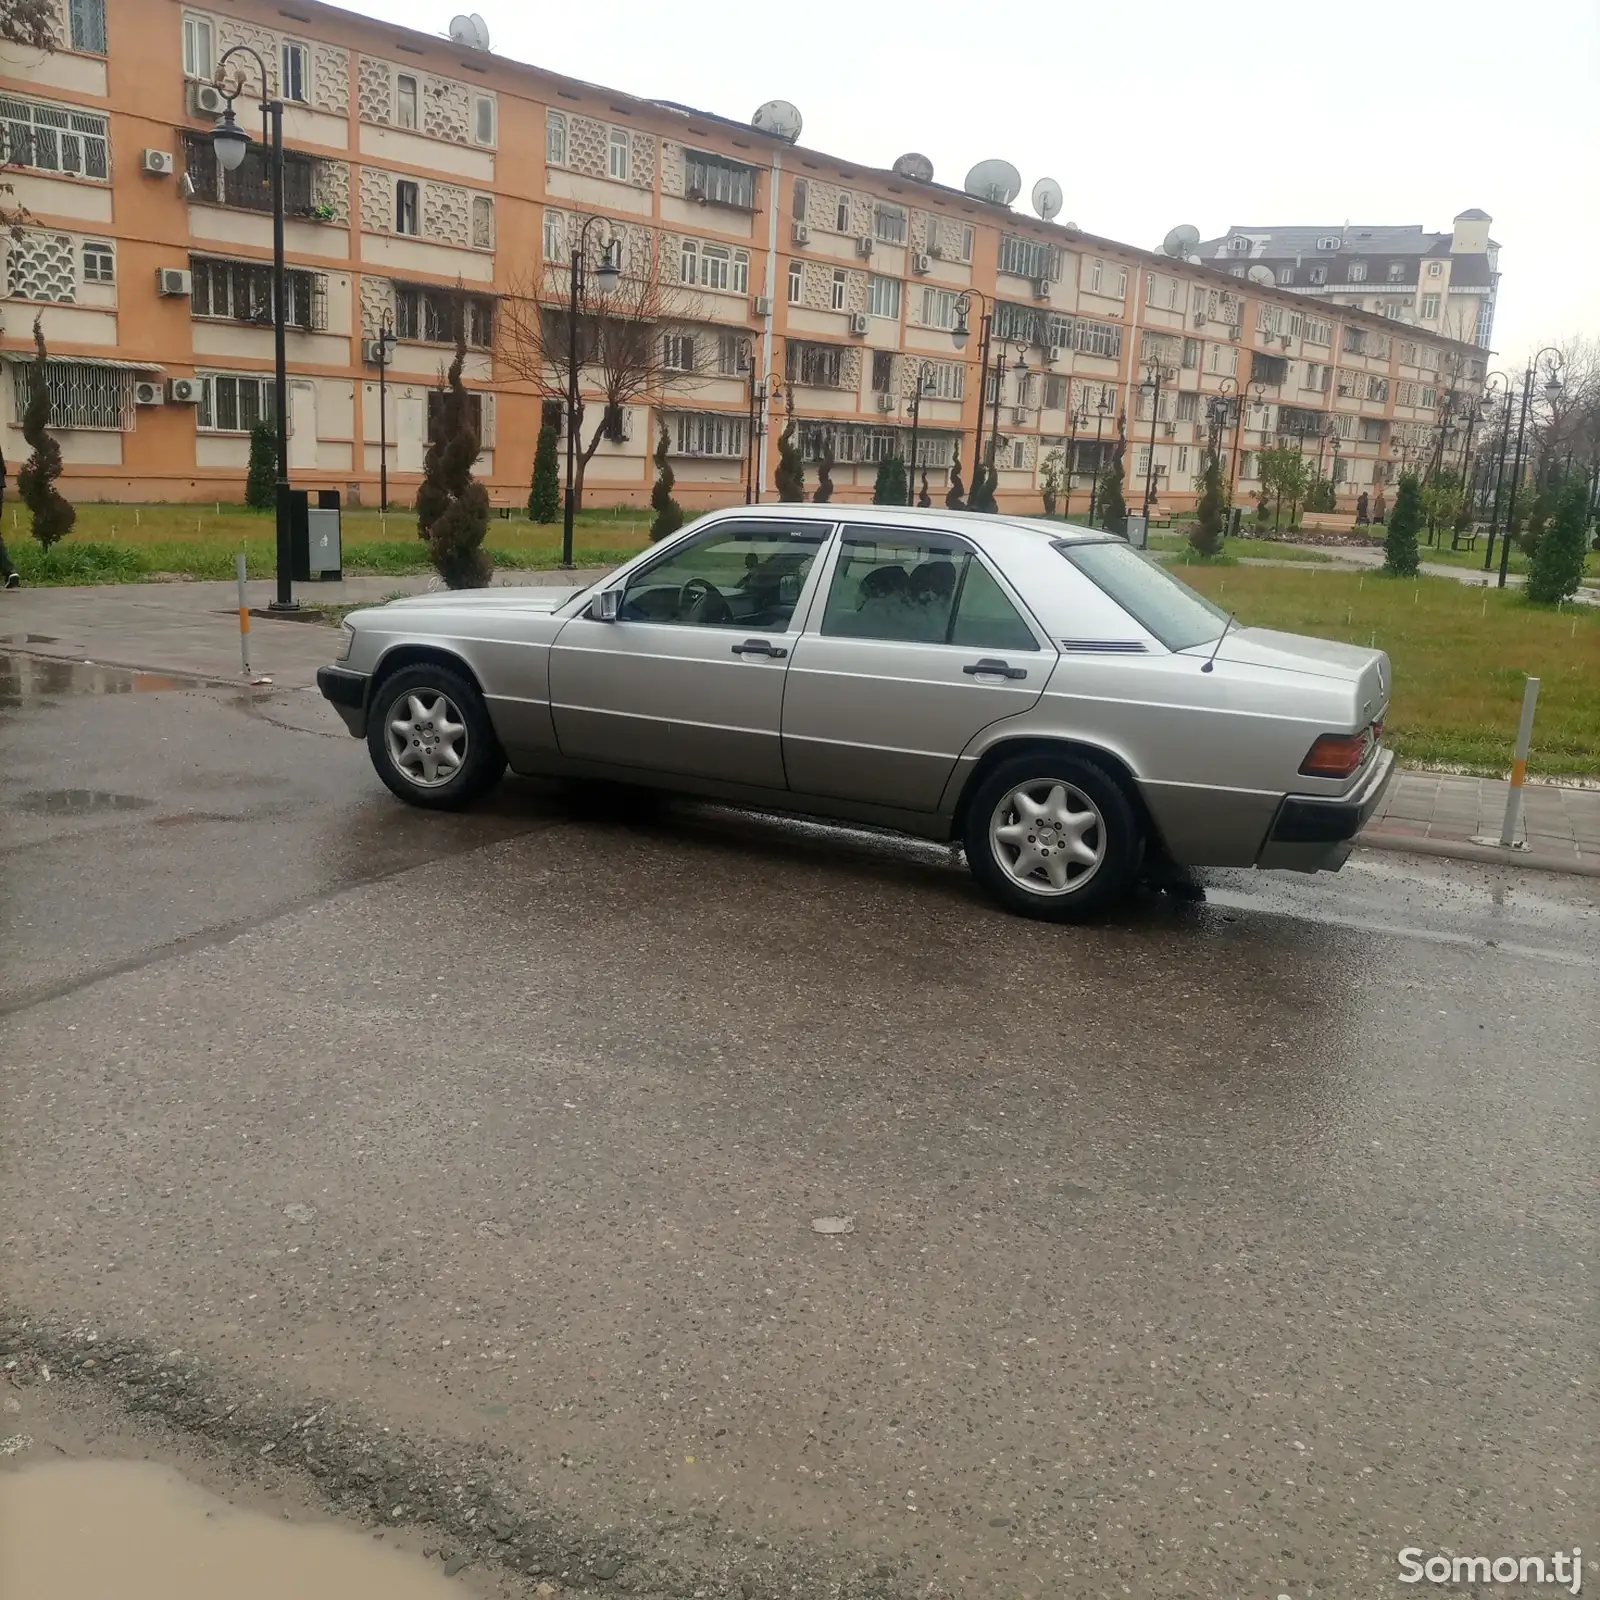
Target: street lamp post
x=958 y=337
x=231 y=143
x=1156 y=372
x=1500 y=460
x=747 y=365
x=1552 y=390
x=608 y=274
x=1102 y=410
x=386 y=344
x=1020 y=368
x=1076 y=418
x=917 y=391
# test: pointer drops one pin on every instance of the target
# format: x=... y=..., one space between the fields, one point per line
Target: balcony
x=1270 y=370
x=250 y=187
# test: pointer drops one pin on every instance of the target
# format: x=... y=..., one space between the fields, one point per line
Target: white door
x=302 y=425
x=410 y=439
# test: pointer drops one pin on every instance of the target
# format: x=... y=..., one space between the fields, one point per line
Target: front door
x=689 y=678
x=918 y=649
x=302 y=425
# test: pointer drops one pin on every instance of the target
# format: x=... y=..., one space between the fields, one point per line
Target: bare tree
x=639 y=343
x=32 y=23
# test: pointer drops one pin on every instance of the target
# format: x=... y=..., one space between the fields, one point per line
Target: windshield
x=1171 y=610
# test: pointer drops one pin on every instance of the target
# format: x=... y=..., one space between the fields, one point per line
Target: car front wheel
x=1053 y=836
x=430 y=738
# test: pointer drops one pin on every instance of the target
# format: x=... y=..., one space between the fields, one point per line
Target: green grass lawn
x=1472 y=560
x=1460 y=659
x=1235 y=549
x=126 y=544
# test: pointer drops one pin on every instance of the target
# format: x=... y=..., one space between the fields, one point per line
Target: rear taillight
x=1336 y=755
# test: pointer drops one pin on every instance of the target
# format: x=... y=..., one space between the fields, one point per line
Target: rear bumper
x=1310 y=834
x=346 y=692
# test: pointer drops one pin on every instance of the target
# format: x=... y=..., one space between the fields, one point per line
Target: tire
x=450 y=721
x=1092 y=830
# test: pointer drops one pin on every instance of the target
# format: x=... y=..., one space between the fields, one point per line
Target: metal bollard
x=244 y=615
x=1519 y=767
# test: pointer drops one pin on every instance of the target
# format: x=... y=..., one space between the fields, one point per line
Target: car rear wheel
x=430 y=737
x=1052 y=836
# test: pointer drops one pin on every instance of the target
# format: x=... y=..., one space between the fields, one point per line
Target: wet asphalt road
x=1221 y=1250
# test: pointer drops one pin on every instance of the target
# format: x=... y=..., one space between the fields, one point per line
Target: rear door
x=689 y=678
x=918 y=646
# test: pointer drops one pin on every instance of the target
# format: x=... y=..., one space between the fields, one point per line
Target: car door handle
x=1000 y=669
x=760 y=647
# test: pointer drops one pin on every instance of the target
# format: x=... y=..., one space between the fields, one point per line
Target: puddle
x=28 y=680
x=79 y=803
x=85 y=1530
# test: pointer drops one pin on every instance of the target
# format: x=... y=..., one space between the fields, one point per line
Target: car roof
x=974 y=524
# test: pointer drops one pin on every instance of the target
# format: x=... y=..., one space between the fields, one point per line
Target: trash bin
x=323 y=529
x=1138 y=532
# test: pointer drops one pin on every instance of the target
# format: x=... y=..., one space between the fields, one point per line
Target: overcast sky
x=1154 y=114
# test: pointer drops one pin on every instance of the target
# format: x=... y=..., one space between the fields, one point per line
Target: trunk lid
x=1366 y=669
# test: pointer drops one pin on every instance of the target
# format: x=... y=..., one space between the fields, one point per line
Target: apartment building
x=427 y=182
x=1444 y=283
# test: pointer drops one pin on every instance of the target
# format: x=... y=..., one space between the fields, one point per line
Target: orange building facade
x=419 y=172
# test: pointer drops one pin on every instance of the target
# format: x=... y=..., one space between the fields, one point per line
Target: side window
x=916 y=591
x=734 y=577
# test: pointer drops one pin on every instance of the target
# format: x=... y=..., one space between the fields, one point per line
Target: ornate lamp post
x=1155 y=372
x=1489 y=397
x=919 y=389
x=1076 y=418
x=608 y=275
x=1103 y=409
x=231 y=144
x=959 y=336
x=384 y=354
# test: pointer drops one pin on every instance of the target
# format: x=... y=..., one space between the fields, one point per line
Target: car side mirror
x=606 y=606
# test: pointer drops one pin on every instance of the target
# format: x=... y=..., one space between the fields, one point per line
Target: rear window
x=1168 y=608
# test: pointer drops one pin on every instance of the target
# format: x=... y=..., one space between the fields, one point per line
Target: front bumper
x=346 y=692
x=1310 y=834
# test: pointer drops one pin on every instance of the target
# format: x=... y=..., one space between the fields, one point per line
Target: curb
x=1487 y=855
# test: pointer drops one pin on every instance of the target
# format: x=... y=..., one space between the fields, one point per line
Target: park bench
x=1328 y=522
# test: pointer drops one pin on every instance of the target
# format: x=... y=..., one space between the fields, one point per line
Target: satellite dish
x=1196 y=261
x=995 y=181
x=1181 y=240
x=918 y=168
x=1261 y=273
x=780 y=119
x=1047 y=198
x=471 y=33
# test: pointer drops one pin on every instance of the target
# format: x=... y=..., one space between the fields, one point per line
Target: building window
x=883 y=297
x=475 y=415
x=949 y=240
x=1029 y=258
x=50 y=138
x=731 y=355
x=841 y=214
x=1191 y=354
x=1121 y=291
x=483 y=119
x=1430 y=307
x=241 y=291
x=797 y=282
x=198 y=48
x=883 y=370
x=1183 y=459
x=1397 y=272
x=1285 y=274
x=1097 y=272
x=818 y=366
x=407 y=207
x=1317 y=276
x=677 y=352
x=619 y=155
x=234 y=404
x=1238 y=244
x=1434 y=269
x=555 y=138
x=840 y=284
x=296 y=72
x=83 y=395
x=1055 y=393
x=1356 y=272
x=1430 y=398
x=405 y=100
x=1377 y=388
x=1188 y=407
x=87 y=26
x=798 y=199
x=427 y=315
x=1141 y=464
x=1355 y=341
x=718 y=181
x=889 y=224
x=41 y=266
x=555 y=232
x=249 y=186
x=1098 y=338
x=938 y=308
x=482 y=222
x=1317 y=331
x=709 y=433
x=714 y=266
x=99 y=262
x=944 y=380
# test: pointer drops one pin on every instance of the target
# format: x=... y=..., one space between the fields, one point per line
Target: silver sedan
x=1055 y=701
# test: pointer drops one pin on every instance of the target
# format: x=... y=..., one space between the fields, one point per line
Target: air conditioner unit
x=372 y=353
x=1041 y=289
x=761 y=306
x=206 y=100
x=157 y=162
x=1022 y=416
x=886 y=402
x=1199 y=319
x=173 y=281
x=147 y=394
x=1284 y=341
x=1055 y=353
x=183 y=391
x=1170 y=429
x=802 y=234
x=864 y=246
x=922 y=262
x=858 y=323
